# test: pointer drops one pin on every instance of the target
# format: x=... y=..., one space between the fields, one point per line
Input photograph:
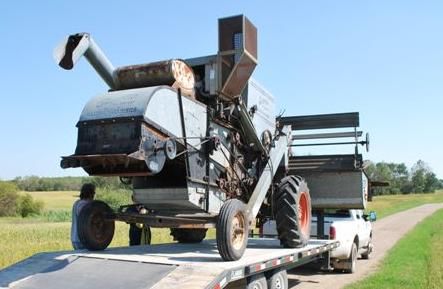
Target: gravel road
x=386 y=232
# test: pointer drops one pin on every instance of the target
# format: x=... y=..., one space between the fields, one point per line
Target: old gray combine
x=199 y=142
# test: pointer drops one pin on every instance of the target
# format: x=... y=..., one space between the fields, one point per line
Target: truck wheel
x=367 y=254
x=257 y=282
x=278 y=279
x=352 y=259
x=188 y=235
x=232 y=230
x=95 y=229
x=292 y=212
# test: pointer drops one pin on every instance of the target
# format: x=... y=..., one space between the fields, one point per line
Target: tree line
x=403 y=180
x=14 y=201
x=44 y=184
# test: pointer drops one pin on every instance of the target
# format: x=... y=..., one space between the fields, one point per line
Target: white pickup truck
x=351 y=227
x=354 y=231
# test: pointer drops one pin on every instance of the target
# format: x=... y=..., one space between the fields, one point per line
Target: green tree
x=8 y=199
x=27 y=206
x=423 y=179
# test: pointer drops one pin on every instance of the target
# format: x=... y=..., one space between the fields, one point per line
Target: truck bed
x=155 y=266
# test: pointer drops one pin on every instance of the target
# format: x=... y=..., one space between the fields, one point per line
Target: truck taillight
x=260 y=231
x=332 y=233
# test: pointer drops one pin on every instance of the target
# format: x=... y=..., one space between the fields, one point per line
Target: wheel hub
x=238 y=231
x=304 y=214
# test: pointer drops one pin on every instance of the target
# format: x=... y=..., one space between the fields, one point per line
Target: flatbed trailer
x=160 y=266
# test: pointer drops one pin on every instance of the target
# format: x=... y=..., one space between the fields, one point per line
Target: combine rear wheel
x=95 y=228
x=292 y=210
x=188 y=235
x=232 y=230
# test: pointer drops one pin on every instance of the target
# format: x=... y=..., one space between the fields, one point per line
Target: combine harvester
x=199 y=142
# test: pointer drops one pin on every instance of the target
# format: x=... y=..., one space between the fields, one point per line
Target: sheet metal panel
x=118 y=104
x=83 y=272
x=152 y=266
x=322 y=121
x=325 y=163
x=264 y=117
x=338 y=190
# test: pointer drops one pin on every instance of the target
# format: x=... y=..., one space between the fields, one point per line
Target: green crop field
x=416 y=262
x=21 y=238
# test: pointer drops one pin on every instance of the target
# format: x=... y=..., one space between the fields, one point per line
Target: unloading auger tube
x=196 y=138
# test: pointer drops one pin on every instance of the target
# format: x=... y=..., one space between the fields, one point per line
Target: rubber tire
x=352 y=259
x=92 y=237
x=188 y=235
x=286 y=213
x=366 y=255
x=278 y=279
x=136 y=234
x=257 y=281
x=224 y=233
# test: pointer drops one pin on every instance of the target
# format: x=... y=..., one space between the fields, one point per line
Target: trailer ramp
x=156 y=266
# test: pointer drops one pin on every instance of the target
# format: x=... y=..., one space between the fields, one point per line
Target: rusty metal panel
x=250 y=38
x=175 y=73
x=237 y=54
x=105 y=138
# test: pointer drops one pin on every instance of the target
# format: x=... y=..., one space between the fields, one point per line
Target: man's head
x=87 y=191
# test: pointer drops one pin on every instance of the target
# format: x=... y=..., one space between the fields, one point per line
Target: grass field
x=390 y=204
x=57 y=200
x=21 y=238
x=416 y=262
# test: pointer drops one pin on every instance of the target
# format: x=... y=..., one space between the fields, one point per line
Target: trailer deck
x=156 y=266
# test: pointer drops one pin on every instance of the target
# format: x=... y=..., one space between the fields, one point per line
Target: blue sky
x=381 y=58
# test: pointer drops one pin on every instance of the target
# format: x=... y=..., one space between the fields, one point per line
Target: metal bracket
x=276 y=154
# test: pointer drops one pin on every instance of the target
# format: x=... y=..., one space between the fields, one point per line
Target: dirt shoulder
x=386 y=232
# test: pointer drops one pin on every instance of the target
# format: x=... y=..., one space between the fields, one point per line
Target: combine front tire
x=292 y=210
x=232 y=230
x=95 y=228
x=188 y=235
